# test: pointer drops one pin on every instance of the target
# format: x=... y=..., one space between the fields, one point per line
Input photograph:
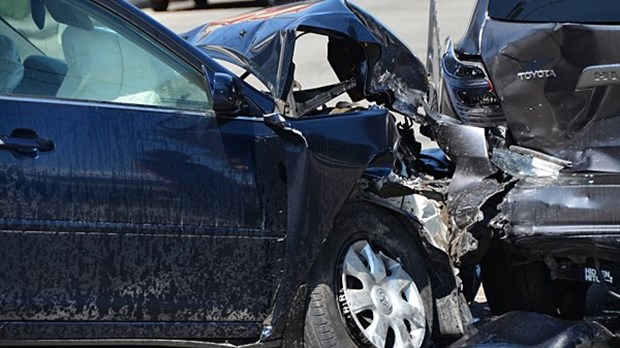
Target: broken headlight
x=470 y=91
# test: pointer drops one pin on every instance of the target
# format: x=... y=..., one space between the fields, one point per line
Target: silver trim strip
x=565 y=230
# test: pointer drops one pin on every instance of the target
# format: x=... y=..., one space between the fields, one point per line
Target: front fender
x=325 y=158
x=421 y=218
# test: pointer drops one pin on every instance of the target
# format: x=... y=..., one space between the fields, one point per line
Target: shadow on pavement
x=144 y=4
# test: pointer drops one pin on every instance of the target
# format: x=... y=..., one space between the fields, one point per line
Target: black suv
x=531 y=94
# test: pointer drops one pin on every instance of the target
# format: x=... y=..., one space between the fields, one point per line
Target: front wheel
x=369 y=286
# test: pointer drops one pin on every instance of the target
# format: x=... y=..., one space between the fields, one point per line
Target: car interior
x=341 y=93
x=52 y=49
x=11 y=68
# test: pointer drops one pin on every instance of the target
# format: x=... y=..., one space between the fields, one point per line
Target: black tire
x=265 y=3
x=200 y=3
x=271 y=3
x=329 y=322
x=159 y=5
x=528 y=287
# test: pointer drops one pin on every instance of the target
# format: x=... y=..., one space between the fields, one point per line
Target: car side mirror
x=227 y=94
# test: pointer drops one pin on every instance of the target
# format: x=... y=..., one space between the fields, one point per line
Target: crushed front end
x=376 y=73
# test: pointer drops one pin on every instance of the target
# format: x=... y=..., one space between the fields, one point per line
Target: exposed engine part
x=430 y=215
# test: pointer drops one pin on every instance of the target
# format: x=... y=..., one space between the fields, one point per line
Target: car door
x=123 y=197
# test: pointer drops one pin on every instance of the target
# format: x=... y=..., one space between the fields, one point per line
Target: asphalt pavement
x=408 y=18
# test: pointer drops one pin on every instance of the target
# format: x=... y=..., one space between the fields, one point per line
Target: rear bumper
x=577 y=246
x=573 y=216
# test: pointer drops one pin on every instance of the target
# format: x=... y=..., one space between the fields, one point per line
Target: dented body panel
x=468 y=148
x=323 y=168
x=528 y=114
x=380 y=65
x=140 y=267
x=568 y=217
x=126 y=233
x=559 y=111
x=548 y=109
x=554 y=104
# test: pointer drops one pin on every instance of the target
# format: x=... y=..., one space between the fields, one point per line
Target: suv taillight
x=471 y=92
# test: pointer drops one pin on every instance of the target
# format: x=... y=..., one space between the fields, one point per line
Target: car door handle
x=26 y=142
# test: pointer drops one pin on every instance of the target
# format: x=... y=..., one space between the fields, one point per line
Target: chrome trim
x=564 y=231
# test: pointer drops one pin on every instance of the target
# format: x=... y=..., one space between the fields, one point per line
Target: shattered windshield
x=576 y=11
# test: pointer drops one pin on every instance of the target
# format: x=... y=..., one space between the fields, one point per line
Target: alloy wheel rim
x=381 y=300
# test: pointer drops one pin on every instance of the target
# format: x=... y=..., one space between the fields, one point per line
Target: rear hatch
x=555 y=66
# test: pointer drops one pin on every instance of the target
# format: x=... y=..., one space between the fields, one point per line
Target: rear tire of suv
x=369 y=285
x=162 y=5
x=270 y=3
x=529 y=287
x=159 y=5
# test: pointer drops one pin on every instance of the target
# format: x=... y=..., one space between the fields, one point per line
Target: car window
x=73 y=49
x=577 y=11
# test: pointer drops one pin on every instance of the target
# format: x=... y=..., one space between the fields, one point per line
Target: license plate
x=592 y=276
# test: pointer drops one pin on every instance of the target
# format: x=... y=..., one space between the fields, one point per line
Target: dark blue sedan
x=151 y=196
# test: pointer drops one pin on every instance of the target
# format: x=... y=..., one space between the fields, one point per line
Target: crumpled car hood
x=263 y=42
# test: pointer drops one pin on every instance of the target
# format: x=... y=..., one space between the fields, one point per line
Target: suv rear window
x=576 y=11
